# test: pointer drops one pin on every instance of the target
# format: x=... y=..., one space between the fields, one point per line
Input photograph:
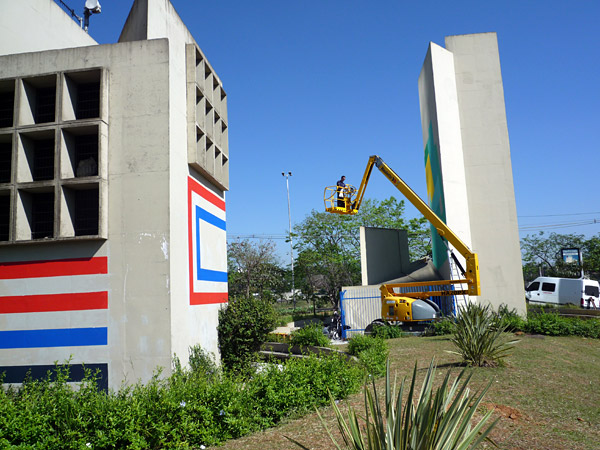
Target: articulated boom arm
x=365 y=180
x=353 y=204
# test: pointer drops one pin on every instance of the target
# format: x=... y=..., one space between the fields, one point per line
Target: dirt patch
x=535 y=336
x=505 y=411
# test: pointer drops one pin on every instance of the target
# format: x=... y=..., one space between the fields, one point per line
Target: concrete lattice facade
x=114 y=164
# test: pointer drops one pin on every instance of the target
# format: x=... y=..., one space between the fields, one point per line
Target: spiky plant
x=480 y=336
x=431 y=420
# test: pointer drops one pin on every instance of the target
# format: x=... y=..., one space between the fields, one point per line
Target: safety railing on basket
x=340 y=200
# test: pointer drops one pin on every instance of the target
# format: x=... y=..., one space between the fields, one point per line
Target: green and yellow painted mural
x=435 y=195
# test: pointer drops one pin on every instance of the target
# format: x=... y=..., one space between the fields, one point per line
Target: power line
x=546 y=226
x=559 y=215
x=257 y=236
x=286 y=236
x=559 y=225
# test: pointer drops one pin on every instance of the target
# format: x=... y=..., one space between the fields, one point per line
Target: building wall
x=139 y=230
x=131 y=330
x=45 y=24
x=149 y=281
x=199 y=177
x=488 y=167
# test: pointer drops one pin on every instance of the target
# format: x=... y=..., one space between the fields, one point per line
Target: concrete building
x=468 y=165
x=114 y=164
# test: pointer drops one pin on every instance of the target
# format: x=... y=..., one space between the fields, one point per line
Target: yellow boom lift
x=409 y=308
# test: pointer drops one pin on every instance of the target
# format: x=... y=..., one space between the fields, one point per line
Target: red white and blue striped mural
x=52 y=286
x=207 y=245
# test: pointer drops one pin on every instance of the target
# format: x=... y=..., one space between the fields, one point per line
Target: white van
x=561 y=291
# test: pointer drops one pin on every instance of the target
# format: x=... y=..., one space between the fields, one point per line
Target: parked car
x=560 y=291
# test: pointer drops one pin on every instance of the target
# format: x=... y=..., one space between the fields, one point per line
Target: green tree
x=591 y=256
x=541 y=254
x=310 y=277
x=243 y=327
x=254 y=269
x=329 y=244
x=327 y=254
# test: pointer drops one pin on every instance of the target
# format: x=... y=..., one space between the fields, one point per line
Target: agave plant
x=433 y=420
x=480 y=336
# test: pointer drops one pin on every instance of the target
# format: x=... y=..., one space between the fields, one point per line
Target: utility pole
x=287 y=183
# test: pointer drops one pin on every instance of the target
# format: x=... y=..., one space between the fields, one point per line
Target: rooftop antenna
x=91 y=7
x=72 y=11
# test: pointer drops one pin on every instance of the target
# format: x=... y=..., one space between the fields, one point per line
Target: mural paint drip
x=435 y=194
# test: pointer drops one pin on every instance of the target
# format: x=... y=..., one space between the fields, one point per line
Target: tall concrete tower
x=467 y=160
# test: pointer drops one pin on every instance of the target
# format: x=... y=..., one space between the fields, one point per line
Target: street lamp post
x=287 y=183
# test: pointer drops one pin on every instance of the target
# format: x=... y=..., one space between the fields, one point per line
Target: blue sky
x=316 y=86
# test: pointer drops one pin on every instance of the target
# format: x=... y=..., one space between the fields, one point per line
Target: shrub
x=439 y=420
x=243 y=327
x=272 y=337
x=586 y=327
x=441 y=327
x=301 y=385
x=552 y=324
x=372 y=353
x=202 y=362
x=310 y=335
x=387 y=331
x=479 y=336
x=510 y=319
x=185 y=410
x=548 y=323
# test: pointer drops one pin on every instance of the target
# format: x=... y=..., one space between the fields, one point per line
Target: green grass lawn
x=547 y=396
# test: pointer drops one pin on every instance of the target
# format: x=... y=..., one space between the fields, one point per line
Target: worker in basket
x=340 y=192
x=344 y=193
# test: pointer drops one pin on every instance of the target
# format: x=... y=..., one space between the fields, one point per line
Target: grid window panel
x=43 y=160
x=88 y=101
x=5 y=161
x=45 y=105
x=7 y=103
x=4 y=217
x=42 y=215
x=86 y=212
x=86 y=155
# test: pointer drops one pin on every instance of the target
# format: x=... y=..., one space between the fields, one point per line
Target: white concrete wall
x=36 y=25
x=488 y=168
x=190 y=324
x=439 y=113
x=462 y=99
x=139 y=206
